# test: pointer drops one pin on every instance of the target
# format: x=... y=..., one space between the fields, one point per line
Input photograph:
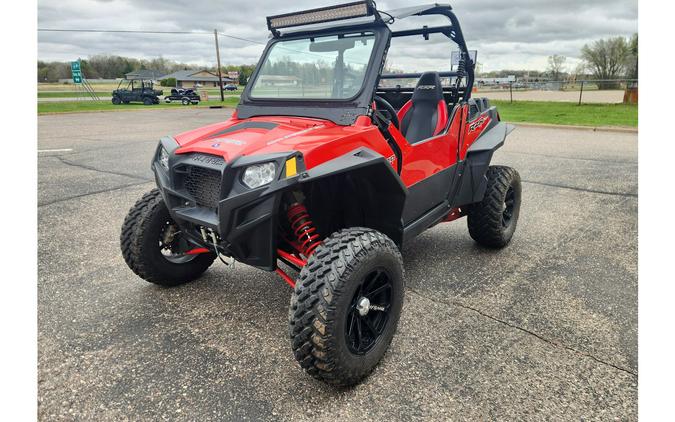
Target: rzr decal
x=478 y=123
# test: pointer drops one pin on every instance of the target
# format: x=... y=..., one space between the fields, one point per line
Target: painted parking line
x=55 y=150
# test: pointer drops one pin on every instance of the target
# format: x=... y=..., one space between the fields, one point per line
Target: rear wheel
x=116 y=100
x=346 y=305
x=147 y=101
x=185 y=101
x=153 y=247
x=492 y=221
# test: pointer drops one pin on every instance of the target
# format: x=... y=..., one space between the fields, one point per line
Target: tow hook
x=209 y=233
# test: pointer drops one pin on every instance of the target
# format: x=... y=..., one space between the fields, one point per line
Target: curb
x=619 y=129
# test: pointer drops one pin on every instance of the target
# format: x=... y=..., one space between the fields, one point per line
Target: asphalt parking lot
x=545 y=329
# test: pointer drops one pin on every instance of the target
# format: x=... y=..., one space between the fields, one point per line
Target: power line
x=132 y=31
x=122 y=31
x=242 y=39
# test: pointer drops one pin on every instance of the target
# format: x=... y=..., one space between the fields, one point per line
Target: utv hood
x=257 y=136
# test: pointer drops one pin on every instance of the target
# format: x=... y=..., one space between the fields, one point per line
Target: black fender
x=371 y=182
x=473 y=182
x=247 y=220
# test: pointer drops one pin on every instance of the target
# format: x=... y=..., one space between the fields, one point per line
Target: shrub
x=168 y=82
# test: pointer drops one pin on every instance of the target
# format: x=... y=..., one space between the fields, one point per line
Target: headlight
x=259 y=174
x=164 y=158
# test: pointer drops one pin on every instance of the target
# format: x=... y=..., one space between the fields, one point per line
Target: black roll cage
x=345 y=112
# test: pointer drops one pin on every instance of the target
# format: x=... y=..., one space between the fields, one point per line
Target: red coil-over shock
x=303 y=229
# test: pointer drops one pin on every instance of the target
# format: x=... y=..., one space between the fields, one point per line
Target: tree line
x=112 y=67
x=604 y=59
x=611 y=58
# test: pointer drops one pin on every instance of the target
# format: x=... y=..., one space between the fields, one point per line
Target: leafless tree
x=556 y=66
x=607 y=59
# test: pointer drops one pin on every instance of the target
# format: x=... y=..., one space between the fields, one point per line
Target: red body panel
x=472 y=131
x=320 y=141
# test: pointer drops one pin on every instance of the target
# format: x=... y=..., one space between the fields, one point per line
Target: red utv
x=324 y=171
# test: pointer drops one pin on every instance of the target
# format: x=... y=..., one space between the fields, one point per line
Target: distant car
x=230 y=87
x=136 y=91
x=185 y=96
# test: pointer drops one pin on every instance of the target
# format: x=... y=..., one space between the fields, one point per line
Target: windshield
x=323 y=68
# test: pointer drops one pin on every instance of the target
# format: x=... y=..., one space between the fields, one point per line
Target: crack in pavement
x=630 y=195
x=524 y=330
x=93 y=193
x=86 y=167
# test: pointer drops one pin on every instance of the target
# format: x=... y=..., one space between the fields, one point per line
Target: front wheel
x=185 y=101
x=147 y=101
x=346 y=306
x=153 y=247
x=492 y=221
x=116 y=100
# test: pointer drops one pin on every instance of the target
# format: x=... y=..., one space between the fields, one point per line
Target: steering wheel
x=388 y=109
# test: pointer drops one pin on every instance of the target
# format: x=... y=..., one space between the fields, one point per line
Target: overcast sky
x=511 y=34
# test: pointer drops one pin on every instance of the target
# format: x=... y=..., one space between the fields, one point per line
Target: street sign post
x=76 y=71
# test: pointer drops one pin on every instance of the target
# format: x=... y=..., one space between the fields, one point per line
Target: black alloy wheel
x=346 y=305
x=173 y=245
x=509 y=204
x=369 y=312
x=154 y=247
x=493 y=220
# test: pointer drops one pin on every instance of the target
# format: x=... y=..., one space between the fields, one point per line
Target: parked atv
x=136 y=91
x=322 y=176
x=185 y=96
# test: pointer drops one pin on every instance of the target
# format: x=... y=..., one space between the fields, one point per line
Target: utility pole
x=220 y=75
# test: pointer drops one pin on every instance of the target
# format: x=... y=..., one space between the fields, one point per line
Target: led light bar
x=324 y=14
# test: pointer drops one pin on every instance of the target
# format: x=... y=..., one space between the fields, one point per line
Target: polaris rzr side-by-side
x=325 y=170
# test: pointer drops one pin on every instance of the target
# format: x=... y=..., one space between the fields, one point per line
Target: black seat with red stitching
x=426 y=114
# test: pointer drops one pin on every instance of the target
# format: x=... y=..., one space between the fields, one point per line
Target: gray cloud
x=508 y=34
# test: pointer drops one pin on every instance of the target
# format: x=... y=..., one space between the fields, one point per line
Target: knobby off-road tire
x=492 y=221
x=140 y=243
x=349 y=265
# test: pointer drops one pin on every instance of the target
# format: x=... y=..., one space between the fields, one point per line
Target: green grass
x=560 y=113
x=80 y=106
x=555 y=113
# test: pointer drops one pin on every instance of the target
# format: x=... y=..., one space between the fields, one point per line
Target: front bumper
x=244 y=220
